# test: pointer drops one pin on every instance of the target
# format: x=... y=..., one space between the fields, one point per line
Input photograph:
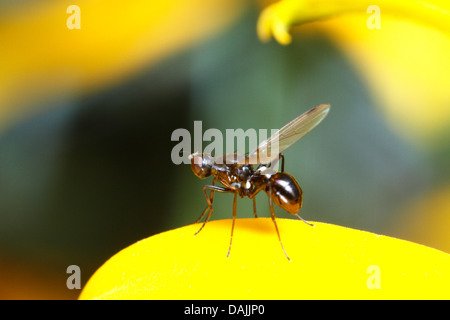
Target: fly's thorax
x=240 y=177
x=265 y=171
x=244 y=172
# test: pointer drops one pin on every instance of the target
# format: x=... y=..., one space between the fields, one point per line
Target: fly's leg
x=252 y=195
x=209 y=200
x=281 y=156
x=274 y=163
x=300 y=218
x=234 y=219
x=272 y=213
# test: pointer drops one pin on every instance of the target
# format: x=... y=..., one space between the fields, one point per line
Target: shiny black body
x=246 y=181
x=238 y=175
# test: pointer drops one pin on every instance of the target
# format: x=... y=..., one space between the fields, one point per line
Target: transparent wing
x=269 y=149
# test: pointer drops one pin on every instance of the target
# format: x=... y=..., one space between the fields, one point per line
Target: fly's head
x=201 y=164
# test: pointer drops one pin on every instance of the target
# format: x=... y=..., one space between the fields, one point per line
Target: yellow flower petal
x=406 y=64
x=328 y=262
x=431 y=210
x=291 y=12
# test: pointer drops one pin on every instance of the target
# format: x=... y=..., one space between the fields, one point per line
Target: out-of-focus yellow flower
x=427 y=219
x=278 y=18
x=327 y=262
x=407 y=67
x=406 y=62
x=41 y=57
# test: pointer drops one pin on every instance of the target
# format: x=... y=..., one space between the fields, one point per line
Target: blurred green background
x=86 y=171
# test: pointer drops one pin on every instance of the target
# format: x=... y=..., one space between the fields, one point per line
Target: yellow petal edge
x=278 y=18
x=327 y=262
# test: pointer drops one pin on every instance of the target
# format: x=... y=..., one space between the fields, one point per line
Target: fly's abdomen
x=285 y=192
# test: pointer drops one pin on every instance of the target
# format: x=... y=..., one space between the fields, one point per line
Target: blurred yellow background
x=86 y=118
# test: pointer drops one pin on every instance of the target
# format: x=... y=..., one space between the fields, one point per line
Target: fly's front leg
x=209 y=200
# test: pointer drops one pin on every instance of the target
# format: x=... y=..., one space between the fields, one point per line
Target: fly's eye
x=200 y=166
